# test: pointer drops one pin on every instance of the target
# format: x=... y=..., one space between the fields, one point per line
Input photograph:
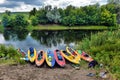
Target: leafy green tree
x=7 y=12
x=20 y=21
x=114 y=1
x=41 y=16
x=106 y=18
x=34 y=21
x=54 y=16
x=69 y=9
x=33 y=12
x=6 y=21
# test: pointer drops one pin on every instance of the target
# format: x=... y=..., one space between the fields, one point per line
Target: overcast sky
x=27 y=5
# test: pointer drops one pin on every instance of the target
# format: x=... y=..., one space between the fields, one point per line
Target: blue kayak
x=50 y=59
x=24 y=55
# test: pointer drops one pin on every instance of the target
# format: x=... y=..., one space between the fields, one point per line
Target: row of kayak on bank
x=56 y=56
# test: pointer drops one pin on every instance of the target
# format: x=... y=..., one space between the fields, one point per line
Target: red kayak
x=59 y=58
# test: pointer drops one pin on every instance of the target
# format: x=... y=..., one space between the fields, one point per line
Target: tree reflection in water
x=50 y=38
x=46 y=37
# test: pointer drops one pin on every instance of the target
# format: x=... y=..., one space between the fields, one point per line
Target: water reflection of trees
x=50 y=38
x=15 y=34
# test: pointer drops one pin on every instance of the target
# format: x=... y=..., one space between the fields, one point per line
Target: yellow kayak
x=32 y=54
x=70 y=57
x=73 y=53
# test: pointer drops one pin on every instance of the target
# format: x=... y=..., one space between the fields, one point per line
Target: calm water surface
x=42 y=40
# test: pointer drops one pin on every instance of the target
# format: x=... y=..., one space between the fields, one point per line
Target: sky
x=27 y=5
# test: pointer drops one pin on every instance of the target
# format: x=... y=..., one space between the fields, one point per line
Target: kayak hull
x=85 y=56
x=33 y=57
x=73 y=53
x=50 y=60
x=24 y=55
x=40 y=58
x=59 y=58
x=69 y=57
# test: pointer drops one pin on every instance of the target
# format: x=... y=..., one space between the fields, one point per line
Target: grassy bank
x=60 y=27
x=1 y=28
x=105 y=48
x=9 y=55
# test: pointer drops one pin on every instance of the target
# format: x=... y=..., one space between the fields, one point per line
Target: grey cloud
x=30 y=2
x=63 y=4
x=55 y=0
x=10 y=4
x=17 y=3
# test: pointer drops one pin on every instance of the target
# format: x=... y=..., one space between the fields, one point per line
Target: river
x=43 y=39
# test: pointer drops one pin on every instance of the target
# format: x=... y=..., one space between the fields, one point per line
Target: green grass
x=1 y=28
x=105 y=48
x=9 y=55
x=7 y=62
x=60 y=27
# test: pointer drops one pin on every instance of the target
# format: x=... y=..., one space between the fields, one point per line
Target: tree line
x=107 y=15
x=73 y=16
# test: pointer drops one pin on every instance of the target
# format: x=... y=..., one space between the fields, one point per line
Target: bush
x=16 y=22
x=104 y=47
x=34 y=21
x=10 y=53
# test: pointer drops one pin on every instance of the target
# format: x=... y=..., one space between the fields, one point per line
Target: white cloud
x=77 y=3
x=2 y=1
x=24 y=6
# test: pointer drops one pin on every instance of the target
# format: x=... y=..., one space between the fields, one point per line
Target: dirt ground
x=31 y=72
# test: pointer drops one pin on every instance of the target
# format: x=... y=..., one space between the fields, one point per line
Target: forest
x=100 y=15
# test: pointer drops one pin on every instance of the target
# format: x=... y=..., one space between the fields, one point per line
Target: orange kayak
x=85 y=56
x=40 y=58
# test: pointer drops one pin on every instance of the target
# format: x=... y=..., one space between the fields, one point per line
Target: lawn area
x=7 y=62
x=1 y=28
x=59 y=27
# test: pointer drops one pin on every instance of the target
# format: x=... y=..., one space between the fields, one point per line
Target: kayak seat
x=60 y=57
x=86 y=55
x=49 y=58
x=39 y=57
x=32 y=54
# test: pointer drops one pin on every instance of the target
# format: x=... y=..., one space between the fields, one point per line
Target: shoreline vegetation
x=60 y=27
x=6 y=55
x=71 y=17
x=104 y=47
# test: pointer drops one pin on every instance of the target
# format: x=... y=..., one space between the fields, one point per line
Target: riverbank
x=1 y=29
x=104 y=47
x=60 y=27
x=31 y=72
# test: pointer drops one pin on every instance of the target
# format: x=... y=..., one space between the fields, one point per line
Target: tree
x=20 y=21
x=54 y=16
x=34 y=21
x=107 y=19
x=6 y=21
x=33 y=12
x=7 y=12
x=114 y=1
x=41 y=16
